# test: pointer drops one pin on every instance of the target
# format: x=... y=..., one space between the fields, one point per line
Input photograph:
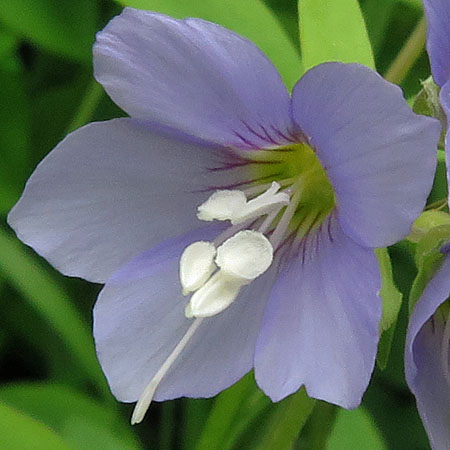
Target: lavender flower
x=262 y=209
x=427 y=364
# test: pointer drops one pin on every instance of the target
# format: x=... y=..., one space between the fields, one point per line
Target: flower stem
x=408 y=54
x=87 y=106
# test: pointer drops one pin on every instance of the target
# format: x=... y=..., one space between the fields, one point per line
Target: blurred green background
x=52 y=393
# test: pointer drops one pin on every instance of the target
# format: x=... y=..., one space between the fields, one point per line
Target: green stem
x=409 y=54
x=87 y=106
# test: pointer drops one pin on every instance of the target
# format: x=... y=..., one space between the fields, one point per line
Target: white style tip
x=196 y=265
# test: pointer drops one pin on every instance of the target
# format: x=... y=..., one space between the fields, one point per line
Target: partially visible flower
x=427 y=363
x=299 y=192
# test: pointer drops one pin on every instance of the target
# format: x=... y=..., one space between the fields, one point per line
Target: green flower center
x=298 y=166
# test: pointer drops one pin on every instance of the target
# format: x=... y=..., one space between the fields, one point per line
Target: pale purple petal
x=379 y=155
x=438 y=38
x=139 y=319
x=320 y=327
x=423 y=367
x=109 y=191
x=192 y=75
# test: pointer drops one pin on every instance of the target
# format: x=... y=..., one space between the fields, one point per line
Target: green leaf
x=392 y=300
x=377 y=14
x=65 y=27
x=355 y=430
x=250 y=18
x=82 y=421
x=225 y=410
x=14 y=138
x=14 y=124
x=286 y=422
x=255 y=406
x=333 y=30
x=20 y=432
x=44 y=295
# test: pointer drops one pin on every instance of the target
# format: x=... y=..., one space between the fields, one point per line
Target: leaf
x=225 y=410
x=64 y=27
x=355 y=430
x=48 y=299
x=256 y=404
x=81 y=421
x=377 y=14
x=286 y=422
x=333 y=30
x=20 y=432
x=391 y=300
x=14 y=124
x=250 y=18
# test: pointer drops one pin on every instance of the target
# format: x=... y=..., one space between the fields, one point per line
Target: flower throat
x=297 y=166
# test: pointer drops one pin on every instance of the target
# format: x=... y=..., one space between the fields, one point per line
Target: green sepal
x=428 y=259
x=391 y=302
x=426 y=222
x=428 y=103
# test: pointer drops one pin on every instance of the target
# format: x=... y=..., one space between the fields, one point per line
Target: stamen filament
x=147 y=396
x=260 y=188
x=288 y=214
x=230 y=231
x=269 y=219
x=445 y=351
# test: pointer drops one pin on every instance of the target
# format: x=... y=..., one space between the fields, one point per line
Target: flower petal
x=423 y=367
x=107 y=192
x=379 y=155
x=320 y=327
x=438 y=38
x=139 y=318
x=192 y=75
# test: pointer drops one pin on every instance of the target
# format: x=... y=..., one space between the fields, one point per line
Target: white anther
x=233 y=205
x=246 y=255
x=196 y=265
x=222 y=205
x=217 y=294
x=262 y=204
x=242 y=258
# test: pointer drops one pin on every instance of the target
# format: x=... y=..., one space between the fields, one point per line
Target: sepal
x=429 y=258
x=428 y=103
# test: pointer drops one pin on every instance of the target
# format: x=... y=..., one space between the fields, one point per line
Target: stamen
x=241 y=259
x=283 y=224
x=260 y=188
x=233 y=205
x=269 y=219
x=445 y=351
x=262 y=204
x=222 y=205
x=196 y=265
x=147 y=396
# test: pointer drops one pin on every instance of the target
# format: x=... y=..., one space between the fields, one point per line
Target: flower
x=428 y=338
x=264 y=209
